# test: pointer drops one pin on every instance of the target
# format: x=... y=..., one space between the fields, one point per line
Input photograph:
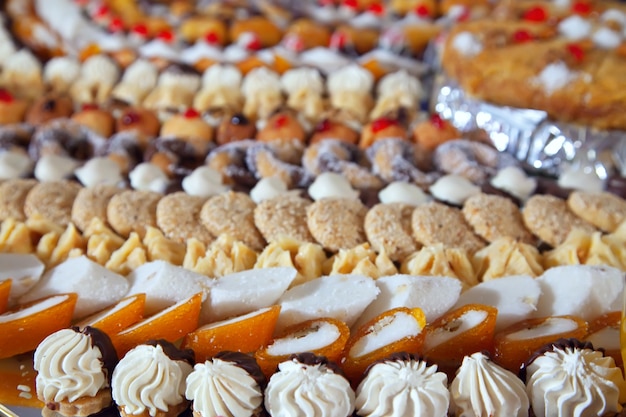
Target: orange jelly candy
x=171 y=324
x=604 y=333
x=5 y=291
x=24 y=328
x=515 y=344
x=122 y=315
x=246 y=334
x=397 y=330
x=323 y=337
x=459 y=333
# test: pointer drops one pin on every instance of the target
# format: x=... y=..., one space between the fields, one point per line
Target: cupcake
x=307 y=385
x=150 y=380
x=571 y=378
x=229 y=384
x=74 y=370
x=403 y=385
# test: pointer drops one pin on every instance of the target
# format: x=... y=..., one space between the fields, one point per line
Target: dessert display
x=249 y=201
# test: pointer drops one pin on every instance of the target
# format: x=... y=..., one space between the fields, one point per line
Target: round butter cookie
x=91 y=203
x=283 y=216
x=52 y=201
x=604 y=210
x=13 y=196
x=388 y=229
x=337 y=223
x=133 y=211
x=178 y=217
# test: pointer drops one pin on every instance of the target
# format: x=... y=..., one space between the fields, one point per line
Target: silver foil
x=542 y=144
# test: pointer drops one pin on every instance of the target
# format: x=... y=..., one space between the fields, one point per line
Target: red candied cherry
x=166 y=36
x=377 y=9
x=338 y=40
x=465 y=15
x=382 y=123
x=140 y=29
x=536 y=14
x=581 y=7
x=254 y=44
x=281 y=121
x=437 y=121
x=89 y=106
x=130 y=118
x=191 y=113
x=211 y=38
x=576 y=51
x=101 y=12
x=116 y=25
x=522 y=35
x=323 y=126
x=422 y=11
x=351 y=4
x=294 y=42
x=5 y=96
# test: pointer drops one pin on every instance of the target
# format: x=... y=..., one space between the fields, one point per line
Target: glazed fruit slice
x=515 y=344
x=17 y=382
x=398 y=330
x=122 y=315
x=5 y=290
x=170 y=324
x=246 y=333
x=23 y=329
x=323 y=337
x=604 y=333
x=459 y=333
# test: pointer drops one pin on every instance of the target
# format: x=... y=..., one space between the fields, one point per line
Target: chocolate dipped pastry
x=190 y=127
x=12 y=109
x=125 y=149
x=235 y=128
x=63 y=137
x=74 y=369
x=174 y=156
x=99 y=120
x=49 y=107
x=229 y=384
x=133 y=382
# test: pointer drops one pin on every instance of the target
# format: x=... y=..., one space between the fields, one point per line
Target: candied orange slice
x=17 y=382
x=604 y=332
x=24 y=328
x=397 y=330
x=323 y=337
x=170 y=324
x=459 y=333
x=246 y=333
x=249 y=64
x=515 y=344
x=282 y=64
x=122 y=315
x=376 y=68
x=5 y=291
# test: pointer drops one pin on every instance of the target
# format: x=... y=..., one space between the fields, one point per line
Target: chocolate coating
x=172 y=352
x=103 y=342
x=182 y=155
x=311 y=359
x=245 y=362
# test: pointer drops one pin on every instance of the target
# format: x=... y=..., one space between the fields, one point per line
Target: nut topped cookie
x=133 y=211
x=178 y=216
x=52 y=201
x=604 y=210
x=337 y=223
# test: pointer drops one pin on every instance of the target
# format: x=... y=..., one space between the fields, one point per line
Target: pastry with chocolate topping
x=133 y=383
x=140 y=120
x=49 y=107
x=174 y=156
x=190 y=127
x=309 y=386
x=235 y=128
x=97 y=119
x=229 y=384
x=12 y=109
x=74 y=372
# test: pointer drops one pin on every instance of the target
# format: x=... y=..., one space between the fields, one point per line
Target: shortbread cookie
x=283 y=216
x=178 y=217
x=604 y=210
x=133 y=211
x=548 y=218
x=435 y=223
x=52 y=201
x=494 y=217
x=337 y=223
x=232 y=213
x=13 y=196
x=92 y=202
x=388 y=229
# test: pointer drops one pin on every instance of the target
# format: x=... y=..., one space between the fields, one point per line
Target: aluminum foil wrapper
x=541 y=144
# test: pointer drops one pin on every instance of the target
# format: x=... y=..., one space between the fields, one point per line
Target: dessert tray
x=338 y=208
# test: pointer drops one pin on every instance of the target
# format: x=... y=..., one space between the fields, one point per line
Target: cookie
x=92 y=202
x=232 y=213
x=549 y=218
x=52 y=201
x=133 y=211
x=604 y=210
x=12 y=197
x=178 y=217
x=283 y=216
x=388 y=229
x=337 y=223
x=435 y=223
x=494 y=217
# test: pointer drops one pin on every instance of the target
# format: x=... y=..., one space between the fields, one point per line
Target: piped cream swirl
x=146 y=379
x=221 y=388
x=403 y=388
x=574 y=382
x=68 y=367
x=303 y=390
x=483 y=389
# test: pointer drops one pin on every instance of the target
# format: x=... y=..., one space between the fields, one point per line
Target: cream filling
x=320 y=335
x=464 y=323
x=552 y=326
x=385 y=332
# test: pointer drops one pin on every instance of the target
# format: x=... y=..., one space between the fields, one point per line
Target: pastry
x=49 y=107
x=12 y=109
x=190 y=127
x=98 y=120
